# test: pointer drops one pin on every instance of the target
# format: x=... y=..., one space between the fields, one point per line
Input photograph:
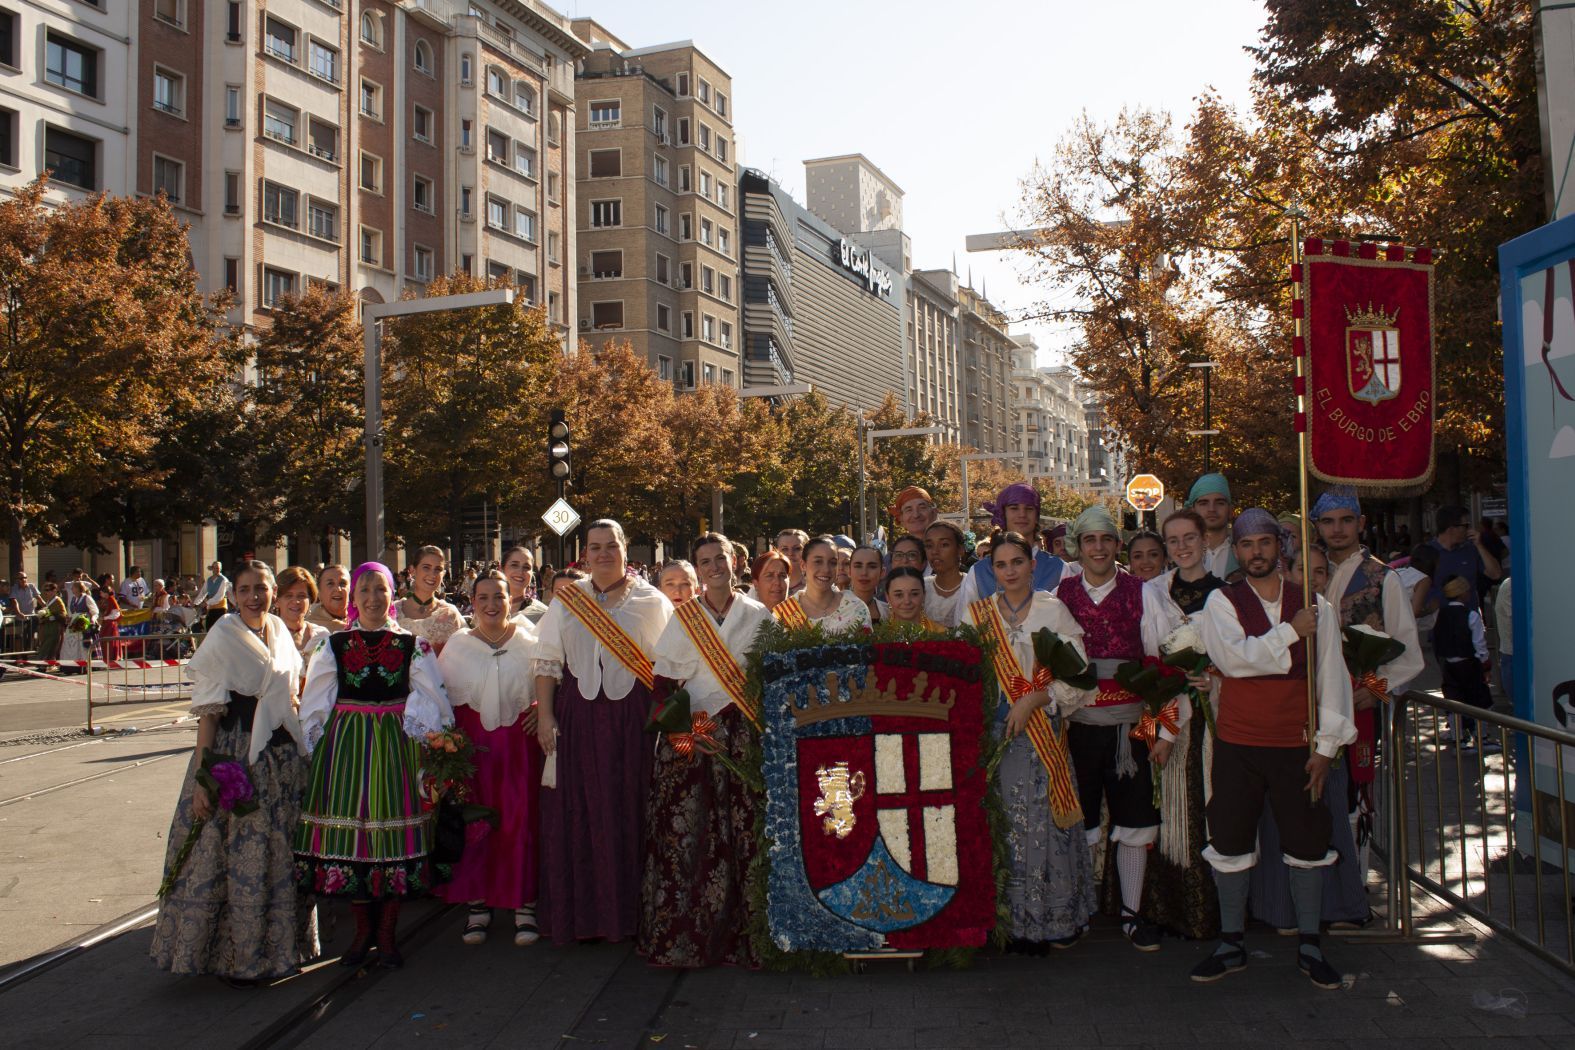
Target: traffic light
x=558 y=468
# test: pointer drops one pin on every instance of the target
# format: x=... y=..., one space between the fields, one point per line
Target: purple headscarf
x=1254 y=521
x=1017 y=492
x=361 y=570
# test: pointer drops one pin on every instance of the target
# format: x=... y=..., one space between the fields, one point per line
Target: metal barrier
x=17 y=632
x=1450 y=811
x=127 y=669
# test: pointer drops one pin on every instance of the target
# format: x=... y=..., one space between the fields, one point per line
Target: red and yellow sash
x=607 y=631
x=790 y=614
x=1050 y=746
x=702 y=632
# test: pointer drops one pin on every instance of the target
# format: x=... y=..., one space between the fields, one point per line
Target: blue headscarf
x=1340 y=498
x=1208 y=485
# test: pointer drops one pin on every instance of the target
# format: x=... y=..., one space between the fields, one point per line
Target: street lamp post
x=785 y=390
x=867 y=448
x=1207 y=434
x=372 y=316
x=975 y=457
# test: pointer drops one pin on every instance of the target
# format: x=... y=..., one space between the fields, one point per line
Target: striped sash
x=702 y=632
x=1050 y=746
x=790 y=614
x=607 y=631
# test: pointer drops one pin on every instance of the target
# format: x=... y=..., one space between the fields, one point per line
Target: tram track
x=28 y=796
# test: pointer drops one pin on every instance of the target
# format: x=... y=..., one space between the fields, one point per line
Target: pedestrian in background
x=331 y=610
x=215 y=599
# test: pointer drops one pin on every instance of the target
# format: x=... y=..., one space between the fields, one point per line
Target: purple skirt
x=499 y=865
x=593 y=822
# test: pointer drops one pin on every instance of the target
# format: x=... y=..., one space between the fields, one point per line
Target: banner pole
x=1298 y=321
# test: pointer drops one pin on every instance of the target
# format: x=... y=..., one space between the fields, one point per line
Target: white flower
x=1184 y=638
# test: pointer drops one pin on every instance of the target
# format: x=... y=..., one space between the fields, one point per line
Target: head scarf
x=844 y=542
x=912 y=492
x=353 y=614
x=1208 y=485
x=1341 y=498
x=1254 y=521
x=1094 y=519
x=1017 y=492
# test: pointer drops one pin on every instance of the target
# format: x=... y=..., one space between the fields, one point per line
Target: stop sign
x=1145 y=492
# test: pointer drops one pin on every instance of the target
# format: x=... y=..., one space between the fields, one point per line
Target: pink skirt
x=499 y=866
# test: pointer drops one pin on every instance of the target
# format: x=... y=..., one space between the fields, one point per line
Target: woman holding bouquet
x=371 y=694
x=1179 y=894
x=1050 y=887
x=421 y=611
x=487 y=670
x=81 y=621
x=232 y=908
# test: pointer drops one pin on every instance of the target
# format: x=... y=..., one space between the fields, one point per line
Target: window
x=687 y=329
x=423 y=259
x=421 y=194
x=661 y=220
x=371 y=246
x=705 y=91
x=371 y=173
x=606 y=163
x=277 y=285
x=372 y=30
x=371 y=100
x=721 y=103
x=683 y=131
x=232 y=105
x=524 y=97
x=322 y=139
x=527 y=286
x=659 y=122
x=705 y=231
x=554 y=311
x=324 y=61
x=421 y=123
x=464 y=134
x=323 y=220
x=525 y=224
x=707 y=279
x=169 y=91
x=606 y=213
x=686 y=227
x=497 y=213
x=497 y=146
x=724 y=240
x=705 y=184
x=664 y=323
x=708 y=328
x=721 y=193
x=71 y=65
x=168 y=176
x=606 y=114
x=710 y=373
x=727 y=377
x=279 y=121
x=607 y=264
x=466 y=65
x=464 y=203
x=606 y=315
x=664 y=364
x=683 y=178
x=279 y=40
x=8 y=38
x=72 y=159
x=705 y=137
x=524 y=160
x=232 y=193
x=686 y=275
x=721 y=148
x=683 y=85
x=280 y=205
x=663 y=268
x=554 y=246
x=659 y=170
x=233 y=26
x=724 y=287
x=497 y=83
x=554 y=128
x=232 y=276
x=467 y=263
x=497 y=271
x=552 y=186
x=423 y=64
x=727 y=335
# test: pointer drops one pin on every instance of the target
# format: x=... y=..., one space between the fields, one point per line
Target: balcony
x=323 y=152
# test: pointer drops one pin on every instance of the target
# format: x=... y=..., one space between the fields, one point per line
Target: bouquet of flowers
x=81 y=623
x=1061 y=658
x=1366 y=650
x=1184 y=648
x=225 y=780
x=1157 y=684
x=447 y=766
x=689 y=732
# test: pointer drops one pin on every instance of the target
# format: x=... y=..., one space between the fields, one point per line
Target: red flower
x=356 y=657
x=392 y=659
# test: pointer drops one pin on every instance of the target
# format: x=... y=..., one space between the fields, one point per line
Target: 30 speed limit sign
x=561 y=518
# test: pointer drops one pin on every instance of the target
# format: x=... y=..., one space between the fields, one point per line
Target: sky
x=953 y=101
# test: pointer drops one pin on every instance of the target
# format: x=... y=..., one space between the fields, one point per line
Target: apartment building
x=1050 y=423
x=985 y=349
x=931 y=349
x=658 y=215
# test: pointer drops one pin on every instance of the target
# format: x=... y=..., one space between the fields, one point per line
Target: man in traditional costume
x=700 y=821
x=1016 y=509
x=1112 y=767
x=914 y=511
x=1365 y=592
x=1255 y=631
x=1210 y=497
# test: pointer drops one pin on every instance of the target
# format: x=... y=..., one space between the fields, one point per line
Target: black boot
x=356 y=954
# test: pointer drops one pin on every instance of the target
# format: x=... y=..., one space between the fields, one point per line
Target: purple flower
x=235 y=787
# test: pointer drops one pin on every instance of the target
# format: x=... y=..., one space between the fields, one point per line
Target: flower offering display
x=877 y=805
x=226 y=781
x=689 y=732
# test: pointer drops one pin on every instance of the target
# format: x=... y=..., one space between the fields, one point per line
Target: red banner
x=1369 y=346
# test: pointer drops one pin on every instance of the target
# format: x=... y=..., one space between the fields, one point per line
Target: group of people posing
x=605 y=831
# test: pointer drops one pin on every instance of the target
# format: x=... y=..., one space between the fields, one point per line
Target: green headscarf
x=1093 y=519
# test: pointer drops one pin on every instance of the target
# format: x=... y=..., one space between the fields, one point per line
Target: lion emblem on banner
x=1372 y=354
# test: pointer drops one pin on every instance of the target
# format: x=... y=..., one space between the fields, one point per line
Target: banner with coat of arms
x=875 y=797
x=1370 y=367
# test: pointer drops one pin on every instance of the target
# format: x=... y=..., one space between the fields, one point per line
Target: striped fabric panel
x=362 y=803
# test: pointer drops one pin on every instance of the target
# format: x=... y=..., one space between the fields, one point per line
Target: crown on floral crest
x=847 y=700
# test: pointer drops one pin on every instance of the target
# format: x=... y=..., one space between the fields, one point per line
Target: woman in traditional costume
x=700 y=828
x=770 y=574
x=678 y=581
x=52 y=617
x=233 y=909
x=1178 y=893
x=1145 y=555
x=422 y=612
x=593 y=691
x=373 y=692
x=332 y=607
x=905 y=600
x=77 y=645
x=487 y=671
x=820 y=602
x=108 y=617
x=1050 y=887
x=520 y=568
x=944 y=544
x=297 y=592
x=864 y=575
